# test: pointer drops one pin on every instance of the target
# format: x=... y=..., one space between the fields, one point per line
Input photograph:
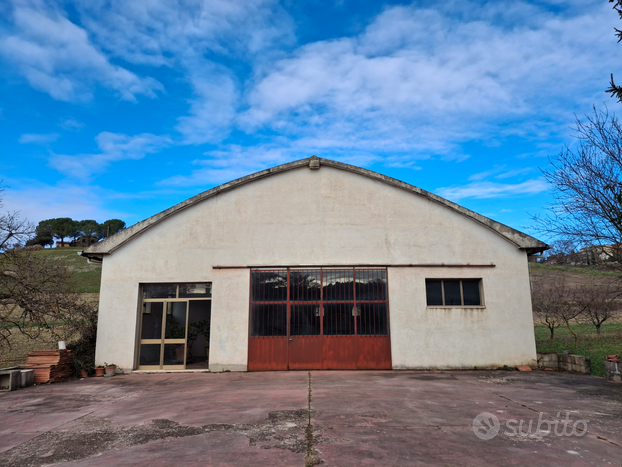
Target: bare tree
x=586 y=183
x=13 y=230
x=35 y=295
x=562 y=252
x=554 y=302
x=598 y=300
x=549 y=294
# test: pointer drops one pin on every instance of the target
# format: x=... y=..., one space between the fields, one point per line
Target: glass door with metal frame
x=175 y=322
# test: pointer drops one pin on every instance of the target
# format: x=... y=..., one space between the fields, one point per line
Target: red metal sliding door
x=304 y=319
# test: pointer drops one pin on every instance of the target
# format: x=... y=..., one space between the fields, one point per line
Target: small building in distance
x=598 y=254
x=82 y=242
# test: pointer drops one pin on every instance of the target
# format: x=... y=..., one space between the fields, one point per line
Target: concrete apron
x=358 y=418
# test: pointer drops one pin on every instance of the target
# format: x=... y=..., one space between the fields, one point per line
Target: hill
x=87 y=276
x=86 y=281
x=587 y=343
x=576 y=275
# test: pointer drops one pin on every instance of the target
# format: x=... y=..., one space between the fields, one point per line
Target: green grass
x=592 y=270
x=588 y=344
x=86 y=276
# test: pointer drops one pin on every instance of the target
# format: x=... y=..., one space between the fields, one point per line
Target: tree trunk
x=574 y=334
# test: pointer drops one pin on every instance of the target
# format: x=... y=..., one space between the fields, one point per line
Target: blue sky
x=117 y=109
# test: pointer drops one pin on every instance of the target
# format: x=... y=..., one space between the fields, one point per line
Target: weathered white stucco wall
x=326 y=217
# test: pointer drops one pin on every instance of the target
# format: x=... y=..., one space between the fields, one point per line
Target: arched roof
x=519 y=239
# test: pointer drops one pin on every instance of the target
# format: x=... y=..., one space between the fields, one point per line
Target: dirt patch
x=493 y=380
x=432 y=377
x=61 y=403
x=282 y=430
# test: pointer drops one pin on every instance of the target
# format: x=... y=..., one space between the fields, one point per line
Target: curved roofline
x=519 y=239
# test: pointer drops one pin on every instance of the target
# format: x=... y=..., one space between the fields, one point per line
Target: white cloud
x=163 y=32
x=234 y=161
x=501 y=172
x=71 y=124
x=422 y=81
x=225 y=165
x=39 y=201
x=413 y=85
x=212 y=108
x=480 y=190
x=113 y=147
x=38 y=138
x=57 y=57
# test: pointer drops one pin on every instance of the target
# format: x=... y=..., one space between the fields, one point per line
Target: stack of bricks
x=50 y=365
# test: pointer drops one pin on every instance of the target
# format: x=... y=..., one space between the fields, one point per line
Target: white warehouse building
x=315 y=264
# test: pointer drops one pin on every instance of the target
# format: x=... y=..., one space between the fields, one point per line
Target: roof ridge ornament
x=314 y=163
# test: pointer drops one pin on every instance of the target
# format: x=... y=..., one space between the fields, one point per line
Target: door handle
x=291 y=340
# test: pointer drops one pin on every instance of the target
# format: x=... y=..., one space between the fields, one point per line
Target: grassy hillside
x=588 y=343
x=87 y=276
x=577 y=272
x=86 y=281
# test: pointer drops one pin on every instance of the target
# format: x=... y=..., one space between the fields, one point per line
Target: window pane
x=452 y=293
x=152 y=321
x=372 y=319
x=371 y=284
x=150 y=354
x=305 y=320
x=269 y=286
x=159 y=291
x=338 y=285
x=304 y=286
x=470 y=288
x=268 y=320
x=175 y=320
x=195 y=290
x=199 y=320
x=174 y=354
x=434 y=292
x=339 y=319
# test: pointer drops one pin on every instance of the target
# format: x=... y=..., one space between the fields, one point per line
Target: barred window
x=315 y=302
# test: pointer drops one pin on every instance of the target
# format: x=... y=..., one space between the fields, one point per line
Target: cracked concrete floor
x=359 y=418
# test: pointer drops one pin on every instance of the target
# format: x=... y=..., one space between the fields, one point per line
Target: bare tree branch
x=550 y=301
x=614 y=90
x=587 y=185
x=13 y=230
x=35 y=295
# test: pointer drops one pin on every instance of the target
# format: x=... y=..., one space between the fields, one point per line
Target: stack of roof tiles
x=50 y=365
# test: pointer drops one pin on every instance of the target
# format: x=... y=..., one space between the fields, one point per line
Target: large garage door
x=305 y=319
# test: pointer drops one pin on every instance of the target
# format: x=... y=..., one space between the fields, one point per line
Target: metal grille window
x=453 y=292
x=314 y=302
